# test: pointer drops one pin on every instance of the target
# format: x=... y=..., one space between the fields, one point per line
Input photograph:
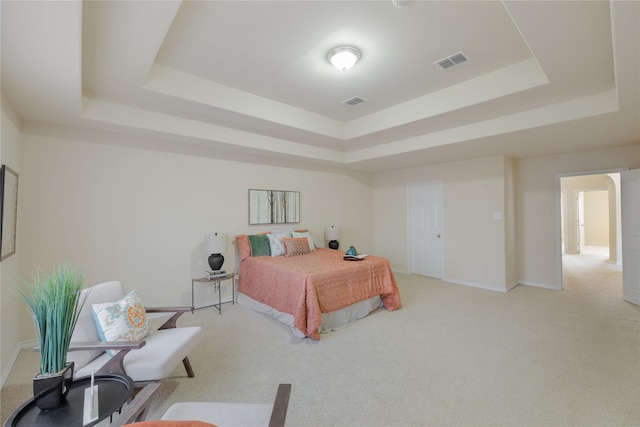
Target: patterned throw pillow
x=123 y=320
x=297 y=246
x=275 y=243
x=306 y=234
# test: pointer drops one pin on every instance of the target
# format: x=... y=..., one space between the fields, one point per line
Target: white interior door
x=424 y=232
x=630 y=200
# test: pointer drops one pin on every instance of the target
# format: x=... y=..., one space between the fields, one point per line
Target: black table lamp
x=215 y=244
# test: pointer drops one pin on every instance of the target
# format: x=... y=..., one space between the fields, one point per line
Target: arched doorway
x=590 y=232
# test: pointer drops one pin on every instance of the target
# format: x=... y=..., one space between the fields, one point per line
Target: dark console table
x=113 y=392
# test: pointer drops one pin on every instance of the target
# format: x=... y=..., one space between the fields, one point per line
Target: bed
x=311 y=289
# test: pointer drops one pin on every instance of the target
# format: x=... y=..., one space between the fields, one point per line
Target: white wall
x=139 y=216
x=473 y=242
x=596 y=217
x=12 y=320
x=538 y=246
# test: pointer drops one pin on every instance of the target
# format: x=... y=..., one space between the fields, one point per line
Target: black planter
x=50 y=391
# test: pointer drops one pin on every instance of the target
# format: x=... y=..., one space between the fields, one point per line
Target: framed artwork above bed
x=274 y=207
x=8 y=211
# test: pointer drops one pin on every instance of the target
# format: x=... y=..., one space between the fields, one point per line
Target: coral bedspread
x=308 y=285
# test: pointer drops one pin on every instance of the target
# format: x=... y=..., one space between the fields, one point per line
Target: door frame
x=579 y=214
x=630 y=247
x=558 y=195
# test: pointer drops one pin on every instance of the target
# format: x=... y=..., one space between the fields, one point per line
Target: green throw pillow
x=259 y=245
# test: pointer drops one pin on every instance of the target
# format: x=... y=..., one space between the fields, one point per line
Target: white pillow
x=275 y=243
x=123 y=320
x=282 y=229
x=306 y=234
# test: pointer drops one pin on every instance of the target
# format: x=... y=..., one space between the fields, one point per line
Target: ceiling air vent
x=354 y=101
x=452 y=61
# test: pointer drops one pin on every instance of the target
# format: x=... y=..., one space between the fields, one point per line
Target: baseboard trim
x=473 y=284
x=21 y=346
x=540 y=285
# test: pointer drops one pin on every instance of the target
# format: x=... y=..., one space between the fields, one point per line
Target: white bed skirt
x=330 y=321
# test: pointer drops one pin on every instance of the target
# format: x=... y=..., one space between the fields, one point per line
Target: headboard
x=242 y=246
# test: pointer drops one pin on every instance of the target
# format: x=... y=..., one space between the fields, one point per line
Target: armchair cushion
x=122 y=320
x=162 y=349
x=221 y=414
x=154 y=361
x=234 y=414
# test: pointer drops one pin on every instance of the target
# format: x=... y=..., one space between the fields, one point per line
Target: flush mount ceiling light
x=343 y=57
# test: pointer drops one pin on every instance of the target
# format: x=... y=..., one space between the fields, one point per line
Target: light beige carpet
x=453 y=355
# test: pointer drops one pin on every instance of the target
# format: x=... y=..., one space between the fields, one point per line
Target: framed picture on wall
x=8 y=211
x=274 y=207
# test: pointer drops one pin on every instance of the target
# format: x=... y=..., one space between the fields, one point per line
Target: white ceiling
x=250 y=80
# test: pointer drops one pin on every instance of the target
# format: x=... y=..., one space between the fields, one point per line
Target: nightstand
x=216 y=282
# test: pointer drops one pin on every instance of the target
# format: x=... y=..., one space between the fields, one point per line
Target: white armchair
x=150 y=359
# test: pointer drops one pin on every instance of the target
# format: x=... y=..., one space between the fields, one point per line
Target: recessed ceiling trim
x=518 y=77
x=509 y=80
x=579 y=108
x=119 y=69
x=588 y=106
x=168 y=81
x=136 y=118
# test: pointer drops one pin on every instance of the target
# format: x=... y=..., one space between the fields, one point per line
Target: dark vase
x=216 y=261
x=50 y=391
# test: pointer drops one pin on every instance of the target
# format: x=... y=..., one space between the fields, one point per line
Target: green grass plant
x=54 y=302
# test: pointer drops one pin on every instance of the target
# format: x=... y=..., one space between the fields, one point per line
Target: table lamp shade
x=332 y=234
x=215 y=244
